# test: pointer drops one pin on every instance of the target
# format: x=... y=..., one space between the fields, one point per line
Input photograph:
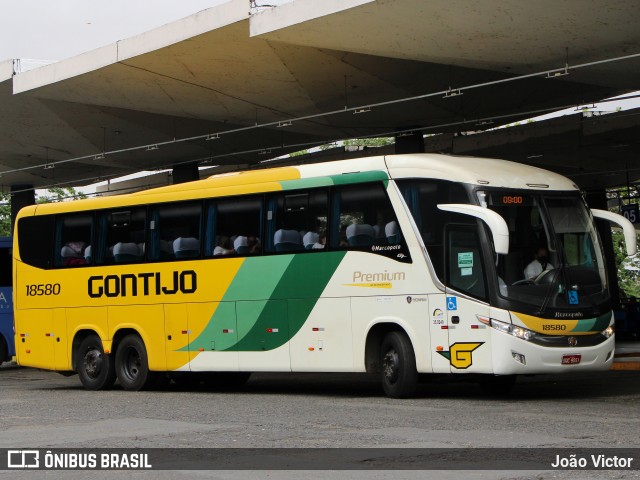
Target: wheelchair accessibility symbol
x=452 y=303
x=573 y=297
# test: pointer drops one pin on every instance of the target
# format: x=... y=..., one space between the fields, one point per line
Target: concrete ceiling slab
x=224 y=71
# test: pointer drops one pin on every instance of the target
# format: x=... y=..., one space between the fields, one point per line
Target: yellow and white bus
x=398 y=265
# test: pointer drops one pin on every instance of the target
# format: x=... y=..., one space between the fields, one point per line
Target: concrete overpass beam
x=21 y=196
x=409 y=143
x=186 y=172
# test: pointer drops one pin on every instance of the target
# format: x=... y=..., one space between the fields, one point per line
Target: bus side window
x=121 y=236
x=297 y=221
x=233 y=227
x=174 y=231
x=363 y=217
x=465 y=270
x=36 y=237
x=73 y=234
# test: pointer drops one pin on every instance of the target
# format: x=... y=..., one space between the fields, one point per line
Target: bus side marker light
x=28 y=351
x=311 y=349
x=475 y=327
x=439 y=348
x=272 y=330
x=227 y=330
x=444 y=327
x=201 y=349
x=317 y=329
x=107 y=352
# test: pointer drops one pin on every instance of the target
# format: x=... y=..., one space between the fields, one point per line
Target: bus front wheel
x=398 y=361
x=132 y=364
x=95 y=368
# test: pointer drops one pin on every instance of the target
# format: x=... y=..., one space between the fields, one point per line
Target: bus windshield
x=555 y=261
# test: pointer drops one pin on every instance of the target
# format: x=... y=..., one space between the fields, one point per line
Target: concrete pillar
x=187 y=172
x=409 y=143
x=598 y=199
x=21 y=196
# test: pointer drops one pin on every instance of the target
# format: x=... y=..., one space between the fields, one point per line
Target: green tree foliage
x=54 y=194
x=628 y=267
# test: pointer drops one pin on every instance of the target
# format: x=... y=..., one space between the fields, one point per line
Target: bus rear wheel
x=398 y=361
x=95 y=368
x=132 y=364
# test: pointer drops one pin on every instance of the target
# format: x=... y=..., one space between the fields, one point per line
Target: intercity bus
x=7 y=349
x=396 y=265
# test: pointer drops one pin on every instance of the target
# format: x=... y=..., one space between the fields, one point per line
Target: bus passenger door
x=469 y=339
x=176 y=337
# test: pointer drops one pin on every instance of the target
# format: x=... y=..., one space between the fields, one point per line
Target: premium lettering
x=378 y=276
x=148 y=283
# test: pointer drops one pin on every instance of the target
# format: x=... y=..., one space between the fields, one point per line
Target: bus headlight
x=608 y=332
x=515 y=330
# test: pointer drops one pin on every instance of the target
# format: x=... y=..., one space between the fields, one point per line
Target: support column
x=598 y=199
x=21 y=196
x=187 y=172
x=409 y=143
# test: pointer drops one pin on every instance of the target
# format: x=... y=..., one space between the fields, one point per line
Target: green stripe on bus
x=343 y=179
x=292 y=301
x=593 y=324
x=267 y=303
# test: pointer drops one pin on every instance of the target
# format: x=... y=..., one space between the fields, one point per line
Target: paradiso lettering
x=148 y=283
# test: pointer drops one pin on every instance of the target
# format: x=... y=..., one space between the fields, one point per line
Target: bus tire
x=132 y=364
x=95 y=368
x=398 y=361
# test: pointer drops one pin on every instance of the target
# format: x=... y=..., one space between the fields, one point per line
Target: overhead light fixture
x=558 y=73
x=213 y=136
x=452 y=93
x=152 y=147
x=49 y=166
x=99 y=156
x=361 y=110
x=288 y=123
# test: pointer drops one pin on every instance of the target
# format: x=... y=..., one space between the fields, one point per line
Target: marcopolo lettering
x=150 y=283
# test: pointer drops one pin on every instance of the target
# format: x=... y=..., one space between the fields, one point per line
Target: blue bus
x=7 y=345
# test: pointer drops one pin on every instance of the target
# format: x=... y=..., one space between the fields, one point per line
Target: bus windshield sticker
x=465 y=259
x=465 y=272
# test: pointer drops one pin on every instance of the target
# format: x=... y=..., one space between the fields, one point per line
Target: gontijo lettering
x=148 y=283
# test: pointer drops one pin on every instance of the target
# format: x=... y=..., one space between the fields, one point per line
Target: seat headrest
x=360 y=229
x=391 y=228
x=66 y=252
x=240 y=241
x=310 y=238
x=287 y=236
x=122 y=248
x=186 y=243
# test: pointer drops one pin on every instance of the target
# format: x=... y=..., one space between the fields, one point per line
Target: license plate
x=571 y=359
